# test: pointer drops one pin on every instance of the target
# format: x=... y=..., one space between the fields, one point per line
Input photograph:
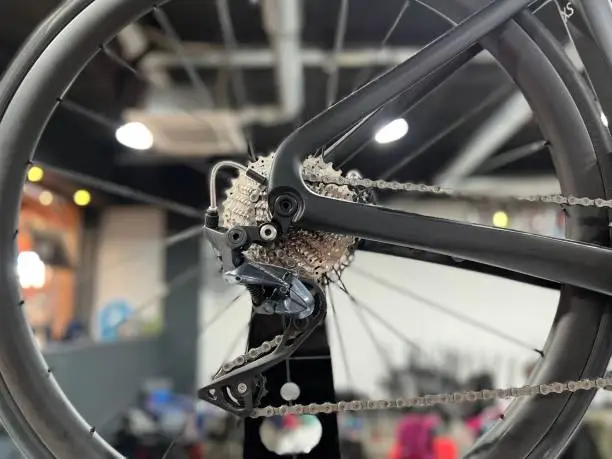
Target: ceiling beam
x=212 y=57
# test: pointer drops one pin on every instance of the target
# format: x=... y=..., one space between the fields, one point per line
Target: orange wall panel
x=54 y=305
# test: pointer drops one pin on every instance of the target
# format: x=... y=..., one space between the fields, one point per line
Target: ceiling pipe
x=283 y=23
x=282 y=20
x=261 y=58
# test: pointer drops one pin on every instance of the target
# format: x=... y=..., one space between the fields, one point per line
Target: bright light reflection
x=135 y=135
x=392 y=131
x=31 y=270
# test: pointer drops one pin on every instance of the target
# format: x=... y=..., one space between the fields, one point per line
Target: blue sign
x=111 y=316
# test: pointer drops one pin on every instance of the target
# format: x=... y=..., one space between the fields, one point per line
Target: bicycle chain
x=249 y=356
x=439 y=190
x=426 y=400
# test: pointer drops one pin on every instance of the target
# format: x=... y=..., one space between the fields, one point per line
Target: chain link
x=399 y=403
x=431 y=400
x=426 y=400
x=444 y=191
x=249 y=356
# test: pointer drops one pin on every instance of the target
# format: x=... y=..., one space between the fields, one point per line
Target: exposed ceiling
x=200 y=92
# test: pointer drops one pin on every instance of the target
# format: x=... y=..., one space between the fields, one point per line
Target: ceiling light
x=31 y=270
x=392 y=131
x=45 y=198
x=500 y=219
x=135 y=135
x=604 y=119
x=35 y=174
x=82 y=198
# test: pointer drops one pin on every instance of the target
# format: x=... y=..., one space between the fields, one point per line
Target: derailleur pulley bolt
x=268 y=232
x=242 y=388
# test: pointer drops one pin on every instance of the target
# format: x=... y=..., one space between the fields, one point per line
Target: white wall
x=520 y=310
x=130 y=261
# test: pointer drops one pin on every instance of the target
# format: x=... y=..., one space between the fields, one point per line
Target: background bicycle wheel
x=120 y=289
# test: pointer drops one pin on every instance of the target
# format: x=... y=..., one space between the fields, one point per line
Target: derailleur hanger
x=230 y=243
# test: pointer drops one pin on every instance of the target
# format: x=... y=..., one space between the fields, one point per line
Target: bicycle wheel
x=42 y=421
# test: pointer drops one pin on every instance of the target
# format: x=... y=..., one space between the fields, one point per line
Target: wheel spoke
x=242 y=332
x=444 y=309
x=175 y=439
x=182 y=99
x=334 y=71
x=360 y=135
x=287 y=366
x=221 y=312
x=85 y=112
x=341 y=344
x=364 y=75
x=174 y=284
x=198 y=84
x=196 y=81
x=237 y=75
x=493 y=98
x=187 y=340
x=368 y=98
x=456 y=263
x=177 y=46
x=384 y=356
x=123 y=191
x=411 y=344
x=510 y=156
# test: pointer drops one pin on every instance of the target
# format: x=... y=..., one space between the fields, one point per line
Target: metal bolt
x=242 y=388
x=254 y=196
x=236 y=237
x=353 y=174
x=286 y=205
x=268 y=232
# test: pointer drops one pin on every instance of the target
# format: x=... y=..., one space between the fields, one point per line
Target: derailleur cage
x=240 y=389
x=274 y=290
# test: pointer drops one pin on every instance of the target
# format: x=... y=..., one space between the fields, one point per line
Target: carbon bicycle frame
x=532 y=255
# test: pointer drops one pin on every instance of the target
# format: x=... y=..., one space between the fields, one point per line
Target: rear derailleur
x=239 y=385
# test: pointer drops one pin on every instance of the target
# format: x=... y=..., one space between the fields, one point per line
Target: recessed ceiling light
x=82 y=198
x=35 y=174
x=135 y=135
x=500 y=219
x=45 y=198
x=392 y=131
x=604 y=119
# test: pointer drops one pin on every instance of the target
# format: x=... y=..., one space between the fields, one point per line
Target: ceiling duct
x=283 y=22
x=193 y=134
x=183 y=126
